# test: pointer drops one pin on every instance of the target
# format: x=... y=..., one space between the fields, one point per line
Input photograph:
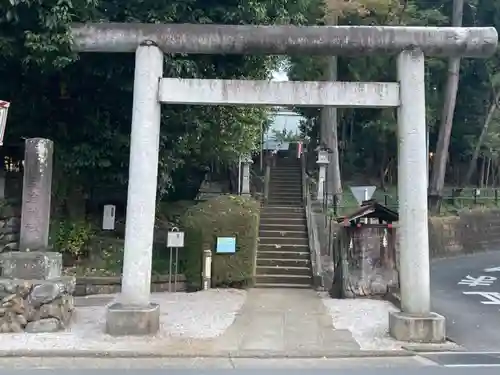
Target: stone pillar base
x=31 y=265
x=36 y=305
x=423 y=329
x=123 y=320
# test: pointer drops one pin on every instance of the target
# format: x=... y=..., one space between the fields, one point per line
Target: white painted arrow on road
x=494 y=269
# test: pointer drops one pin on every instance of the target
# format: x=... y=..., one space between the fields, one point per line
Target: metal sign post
x=175 y=240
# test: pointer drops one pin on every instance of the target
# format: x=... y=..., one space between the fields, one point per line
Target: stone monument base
x=36 y=305
x=31 y=265
x=430 y=329
x=124 y=320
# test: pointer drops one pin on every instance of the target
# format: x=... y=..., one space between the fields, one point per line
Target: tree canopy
x=367 y=137
x=83 y=102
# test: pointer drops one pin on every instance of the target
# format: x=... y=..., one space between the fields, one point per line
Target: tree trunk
x=481 y=177
x=329 y=135
x=486 y=172
x=480 y=141
x=441 y=157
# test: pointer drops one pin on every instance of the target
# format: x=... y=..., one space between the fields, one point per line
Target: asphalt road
x=473 y=320
x=271 y=370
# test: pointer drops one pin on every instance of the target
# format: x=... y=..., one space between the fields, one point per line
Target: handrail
x=312 y=229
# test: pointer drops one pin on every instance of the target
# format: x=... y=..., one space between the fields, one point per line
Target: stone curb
x=62 y=353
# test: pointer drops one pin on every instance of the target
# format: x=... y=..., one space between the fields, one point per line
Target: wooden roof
x=371 y=209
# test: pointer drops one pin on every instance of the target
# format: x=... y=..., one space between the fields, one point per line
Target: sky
x=280 y=76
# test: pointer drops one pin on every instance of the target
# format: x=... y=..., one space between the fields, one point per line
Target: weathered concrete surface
x=39 y=265
x=426 y=329
x=318 y=40
x=284 y=321
x=37 y=184
x=122 y=320
x=241 y=92
x=204 y=363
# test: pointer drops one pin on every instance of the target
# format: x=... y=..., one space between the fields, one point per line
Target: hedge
x=223 y=216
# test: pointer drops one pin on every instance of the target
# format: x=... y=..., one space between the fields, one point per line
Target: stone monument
x=35 y=296
x=322 y=163
x=245 y=178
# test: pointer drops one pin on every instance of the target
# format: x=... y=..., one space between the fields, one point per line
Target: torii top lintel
x=292 y=40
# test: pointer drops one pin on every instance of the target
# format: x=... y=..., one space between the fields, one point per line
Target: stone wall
x=10 y=221
x=36 y=305
x=470 y=232
x=110 y=285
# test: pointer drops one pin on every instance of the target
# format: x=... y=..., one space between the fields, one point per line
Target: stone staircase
x=283 y=258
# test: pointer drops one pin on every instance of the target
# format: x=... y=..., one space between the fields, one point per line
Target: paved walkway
x=285 y=321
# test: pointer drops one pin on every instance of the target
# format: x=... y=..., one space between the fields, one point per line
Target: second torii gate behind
x=135 y=313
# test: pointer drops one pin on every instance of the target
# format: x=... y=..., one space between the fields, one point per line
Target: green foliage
x=224 y=216
x=367 y=137
x=72 y=237
x=83 y=102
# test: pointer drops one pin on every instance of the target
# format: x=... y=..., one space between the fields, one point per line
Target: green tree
x=84 y=102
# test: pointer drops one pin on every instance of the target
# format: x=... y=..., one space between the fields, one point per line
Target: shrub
x=71 y=236
x=224 y=216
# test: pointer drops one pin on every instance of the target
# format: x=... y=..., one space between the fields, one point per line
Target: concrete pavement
x=469 y=298
x=211 y=363
x=284 y=321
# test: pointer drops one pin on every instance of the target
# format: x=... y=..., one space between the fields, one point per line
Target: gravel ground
x=184 y=316
x=368 y=321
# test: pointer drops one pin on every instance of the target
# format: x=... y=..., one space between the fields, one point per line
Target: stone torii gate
x=134 y=313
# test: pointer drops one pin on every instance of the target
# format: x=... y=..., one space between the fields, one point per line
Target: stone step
x=282 y=209
x=288 y=286
x=265 y=214
x=299 y=234
x=284 y=279
x=282 y=227
x=283 y=262
x=295 y=192
x=292 y=181
x=288 y=183
x=283 y=220
x=284 y=198
x=287 y=175
x=296 y=255
x=285 y=191
x=279 y=270
x=276 y=197
x=287 y=187
x=291 y=247
x=288 y=257
x=285 y=203
x=283 y=241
